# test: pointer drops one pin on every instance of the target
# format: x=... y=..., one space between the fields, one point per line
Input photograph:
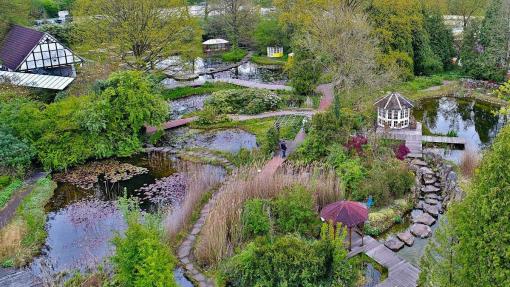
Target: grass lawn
x=7 y=192
x=234 y=55
x=424 y=82
x=23 y=237
x=207 y=88
x=263 y=60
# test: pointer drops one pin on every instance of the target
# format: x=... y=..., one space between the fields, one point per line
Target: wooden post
x=362 y=233
x=350 y=238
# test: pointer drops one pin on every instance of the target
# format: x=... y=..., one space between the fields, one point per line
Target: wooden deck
x=414 y=139
x=400 y=272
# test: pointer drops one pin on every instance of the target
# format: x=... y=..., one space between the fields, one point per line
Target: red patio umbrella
x=348 y=213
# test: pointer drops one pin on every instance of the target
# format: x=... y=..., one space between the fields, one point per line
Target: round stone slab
x=431 y=201
x=430 y=189
x=431 y=209
x=421 y=230
x=394 y=244
x=426 y=170
x=406 y=237
x=425 y=218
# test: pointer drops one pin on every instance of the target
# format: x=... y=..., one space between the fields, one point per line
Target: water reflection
x=81 y=222
x=477 y=122
x=228 y=140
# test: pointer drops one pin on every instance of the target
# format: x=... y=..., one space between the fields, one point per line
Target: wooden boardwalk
x=414 y=139
x=400 y=272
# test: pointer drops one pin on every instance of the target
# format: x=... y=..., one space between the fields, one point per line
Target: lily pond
x=475 y=121
x=83 y=216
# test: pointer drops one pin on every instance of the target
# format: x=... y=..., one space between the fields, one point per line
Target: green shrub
x=295 y=211
x=4 y=181
x=243 y=101
x=386 y=181
x=234 y=55
x=210 y=116
x=15 y=155
x=271 y=144
x=207 y=88
x=141 y=258
x=291 y=261
x=371 y=231
x=349 y=169
x=255 y=218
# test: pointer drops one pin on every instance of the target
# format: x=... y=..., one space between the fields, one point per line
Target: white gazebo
x=394 y=111
x=216 y=45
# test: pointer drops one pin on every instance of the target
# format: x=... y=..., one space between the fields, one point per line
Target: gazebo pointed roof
x=394 y=101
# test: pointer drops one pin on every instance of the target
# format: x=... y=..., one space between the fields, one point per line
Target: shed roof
x=215 y=42
x=18 y=43
x=394 y=101
x=35 y=80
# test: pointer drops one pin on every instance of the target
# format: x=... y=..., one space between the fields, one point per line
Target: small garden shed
x=394 y=111
x=275 y=52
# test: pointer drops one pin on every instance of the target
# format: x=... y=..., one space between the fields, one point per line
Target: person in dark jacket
x=283 y=147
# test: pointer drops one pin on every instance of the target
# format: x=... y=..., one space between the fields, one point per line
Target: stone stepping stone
x=406 y=237
x=426 y=170
x=430 y=189
x=431 y=201
x=420 y=204
x=415 y=213
x=394 y=244
x=418 y=162
x=425 y=218
x=437 y=184
x=421 y=230
x=433 y=196
x=431 y=209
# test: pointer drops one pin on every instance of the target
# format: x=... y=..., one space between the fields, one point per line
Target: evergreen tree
x=438 y=264
x=482 y=221
x=441 y=37
x=486 y=48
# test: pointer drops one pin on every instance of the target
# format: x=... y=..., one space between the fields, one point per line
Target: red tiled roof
x=18 y=43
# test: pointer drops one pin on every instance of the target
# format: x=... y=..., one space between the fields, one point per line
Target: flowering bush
x=356 y=143
x=402 y=151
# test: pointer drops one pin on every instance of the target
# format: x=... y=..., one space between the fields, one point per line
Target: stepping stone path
x=421 y=230
x=425 y=218
x=406 y=237
x=394 y=244
x=427 y=209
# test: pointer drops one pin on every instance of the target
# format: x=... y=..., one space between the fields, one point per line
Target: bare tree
x=236 y=17
x=143 y=32
x=466 y=8
x=340 y=37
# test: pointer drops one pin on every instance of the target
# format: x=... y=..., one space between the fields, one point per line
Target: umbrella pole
x=350 y=238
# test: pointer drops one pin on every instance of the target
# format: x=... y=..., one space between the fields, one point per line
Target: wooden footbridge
x=400 y=272
x=414 y=139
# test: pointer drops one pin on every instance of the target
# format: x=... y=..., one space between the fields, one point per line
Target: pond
x=226 y=140
x=249 y=71
x=186 y=105
x=372 y=272
x=475 y=121
x=82 y=219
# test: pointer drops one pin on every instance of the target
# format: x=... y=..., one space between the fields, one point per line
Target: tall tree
x=466 y=8
x=485 y=51
x=143 y=32
x=471 y=247
x=235 y=18
x=441 y=37
x=340 y=38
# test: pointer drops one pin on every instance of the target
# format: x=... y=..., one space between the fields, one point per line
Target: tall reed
x=469 y=162
x=222 y=231
x=199 y=180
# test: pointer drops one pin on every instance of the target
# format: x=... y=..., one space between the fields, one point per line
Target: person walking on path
x=283 y=147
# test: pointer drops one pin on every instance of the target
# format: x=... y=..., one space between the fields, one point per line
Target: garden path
x=400 y=272
x=9 y=210
x=184 y=251
x=182 y=122
x=251 y=84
